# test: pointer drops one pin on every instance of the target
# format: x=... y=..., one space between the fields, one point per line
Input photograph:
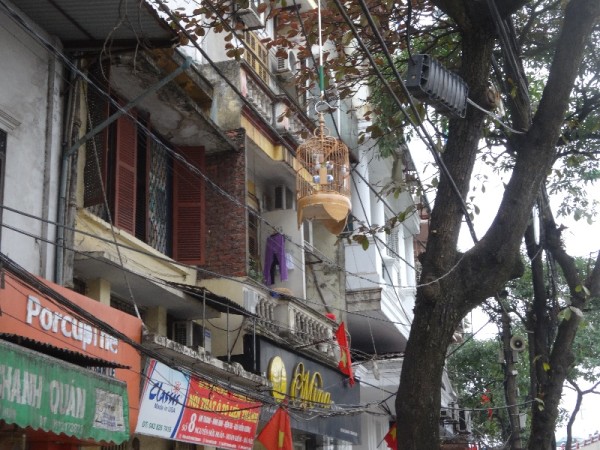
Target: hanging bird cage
x=323 y=181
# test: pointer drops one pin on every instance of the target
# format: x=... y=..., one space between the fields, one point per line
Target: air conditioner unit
x=251 y=300
x=250 y=16
x=286 y=65
x=188 y=333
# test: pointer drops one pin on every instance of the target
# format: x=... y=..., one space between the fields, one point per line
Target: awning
x=48 y=394
x=97 y=24
x=79 y=359
x=221 y=304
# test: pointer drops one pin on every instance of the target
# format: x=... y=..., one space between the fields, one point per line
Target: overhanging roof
x=218 y=302
x=96 y=24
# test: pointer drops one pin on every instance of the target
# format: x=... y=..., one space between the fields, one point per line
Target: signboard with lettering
x=34 y=315
x=45 y=393
x=309 y=384
x=177 y=406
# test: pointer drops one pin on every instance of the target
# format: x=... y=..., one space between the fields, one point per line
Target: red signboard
x=214 y=416
x=177 y=406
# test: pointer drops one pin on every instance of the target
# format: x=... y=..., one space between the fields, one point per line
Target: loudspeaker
x=517 y=343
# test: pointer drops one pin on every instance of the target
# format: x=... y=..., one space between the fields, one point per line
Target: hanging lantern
x=323 y=180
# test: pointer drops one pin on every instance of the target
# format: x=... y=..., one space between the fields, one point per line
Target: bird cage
x=323 y=181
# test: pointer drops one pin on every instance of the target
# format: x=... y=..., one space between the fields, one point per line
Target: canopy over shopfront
x=48 y=394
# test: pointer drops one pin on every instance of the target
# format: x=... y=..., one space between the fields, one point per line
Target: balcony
x=280 y=317
x=280 y=314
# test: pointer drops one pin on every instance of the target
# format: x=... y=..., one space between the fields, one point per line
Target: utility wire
x=420 y=129
x=205 y=271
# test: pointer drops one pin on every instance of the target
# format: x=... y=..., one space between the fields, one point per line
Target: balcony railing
x=286 y=317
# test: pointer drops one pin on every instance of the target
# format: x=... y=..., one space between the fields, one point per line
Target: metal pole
x=228 y=349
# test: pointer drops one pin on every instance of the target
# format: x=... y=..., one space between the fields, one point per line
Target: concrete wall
x=30 y=113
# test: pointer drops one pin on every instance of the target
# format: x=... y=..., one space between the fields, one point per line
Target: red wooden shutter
x=95 y=169
x=188 y=208
x=125 y=174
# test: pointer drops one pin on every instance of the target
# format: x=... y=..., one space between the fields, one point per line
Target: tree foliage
x=476 y=369
x=539 y=57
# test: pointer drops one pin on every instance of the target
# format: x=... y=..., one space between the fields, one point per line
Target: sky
x=580 y=238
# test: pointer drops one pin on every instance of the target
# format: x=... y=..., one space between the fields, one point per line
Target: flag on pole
x=390 y=438
x=345 y=363
x=277 y=433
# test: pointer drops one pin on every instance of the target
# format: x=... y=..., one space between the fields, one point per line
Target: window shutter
x=125 y=174
x=95 y=153
x=188 y=208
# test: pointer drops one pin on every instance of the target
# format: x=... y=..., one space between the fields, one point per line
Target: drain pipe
x=70 y=151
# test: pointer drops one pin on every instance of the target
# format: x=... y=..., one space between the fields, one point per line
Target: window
x=392 y=244
x=149 y=193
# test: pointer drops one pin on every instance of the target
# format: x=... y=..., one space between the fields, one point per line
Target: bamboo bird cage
x=323 y=180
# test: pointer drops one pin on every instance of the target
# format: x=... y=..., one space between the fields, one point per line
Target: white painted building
x=31 y=110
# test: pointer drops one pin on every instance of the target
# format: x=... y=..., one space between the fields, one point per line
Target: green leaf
x=365 y=243
x=565 y=314
x=546 y=366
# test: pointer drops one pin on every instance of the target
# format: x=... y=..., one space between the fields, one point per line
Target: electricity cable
x=428 y=139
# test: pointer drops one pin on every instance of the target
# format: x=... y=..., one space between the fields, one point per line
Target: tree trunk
x=452 y=284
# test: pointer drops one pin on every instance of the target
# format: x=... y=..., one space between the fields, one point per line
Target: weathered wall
x=30 y=114
x=226 y=221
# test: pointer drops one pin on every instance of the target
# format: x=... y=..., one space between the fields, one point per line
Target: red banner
x=217 y=417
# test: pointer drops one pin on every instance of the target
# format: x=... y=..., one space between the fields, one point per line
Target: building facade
x=162 y=185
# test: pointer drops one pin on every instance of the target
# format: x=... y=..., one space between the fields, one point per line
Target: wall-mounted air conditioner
x=251 y=300
x=249 y=14
x=286 y=65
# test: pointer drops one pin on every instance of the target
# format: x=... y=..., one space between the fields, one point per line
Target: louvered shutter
x=125 y=174
x=94 y=173
x=188 y=208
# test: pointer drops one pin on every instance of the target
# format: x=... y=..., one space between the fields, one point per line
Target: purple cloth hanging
x=275 y=256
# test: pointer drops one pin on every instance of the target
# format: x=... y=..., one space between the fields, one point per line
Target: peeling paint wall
x=30 y=114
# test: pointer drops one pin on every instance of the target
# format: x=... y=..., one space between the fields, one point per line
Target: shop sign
x=306 y=387
x=68 y=326
x=177 y=406
x=37 y=316
x=44 y=393
x=309 y=384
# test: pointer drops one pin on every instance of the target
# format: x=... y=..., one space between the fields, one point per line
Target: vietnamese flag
x=277 y=433
x=345 y=363
x=390 y=438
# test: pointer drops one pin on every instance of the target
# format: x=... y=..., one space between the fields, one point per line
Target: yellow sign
x=278 y=377
x=306 y=388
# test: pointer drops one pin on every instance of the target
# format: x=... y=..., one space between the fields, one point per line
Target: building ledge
x=201 y=361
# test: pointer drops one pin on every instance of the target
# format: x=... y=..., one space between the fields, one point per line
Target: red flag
x=487 y=400
x=277 y=433
x=345 y=364
x=390 y=438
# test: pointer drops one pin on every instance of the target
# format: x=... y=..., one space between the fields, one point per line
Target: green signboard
x=49 y=394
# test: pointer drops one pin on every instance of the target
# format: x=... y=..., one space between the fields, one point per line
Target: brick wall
x=226 y=221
